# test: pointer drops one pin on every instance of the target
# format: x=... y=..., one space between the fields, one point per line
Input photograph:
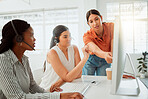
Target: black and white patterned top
x=16 y=80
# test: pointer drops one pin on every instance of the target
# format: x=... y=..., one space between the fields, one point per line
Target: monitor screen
x=119 y=56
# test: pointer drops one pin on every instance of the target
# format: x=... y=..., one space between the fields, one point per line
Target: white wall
x=83 y=5
x=10 y=6
x=101 y=6
x=134 y=58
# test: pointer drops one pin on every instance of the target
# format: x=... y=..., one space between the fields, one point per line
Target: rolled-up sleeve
x=87 y=38
x=10 y=87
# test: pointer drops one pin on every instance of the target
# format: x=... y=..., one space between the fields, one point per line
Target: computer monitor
x=119 y=56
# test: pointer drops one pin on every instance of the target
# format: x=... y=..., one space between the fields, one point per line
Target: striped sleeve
x=10 y=87
x=34 y=88
x=42 y=96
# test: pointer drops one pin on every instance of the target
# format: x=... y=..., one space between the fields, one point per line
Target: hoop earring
x=55 y=41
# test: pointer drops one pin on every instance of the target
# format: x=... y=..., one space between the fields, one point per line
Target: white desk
x=102 y=90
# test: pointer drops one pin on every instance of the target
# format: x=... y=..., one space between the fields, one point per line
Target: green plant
x=143 y=63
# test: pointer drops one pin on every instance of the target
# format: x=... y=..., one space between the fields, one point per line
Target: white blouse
x=50 y=76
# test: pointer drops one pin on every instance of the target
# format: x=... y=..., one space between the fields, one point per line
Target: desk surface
x=103 y=89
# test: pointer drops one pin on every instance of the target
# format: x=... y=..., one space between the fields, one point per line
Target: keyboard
x=75 y=87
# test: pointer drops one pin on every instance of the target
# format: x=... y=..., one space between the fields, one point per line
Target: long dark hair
x=8 y=33
x=56 y=34
x=57 y=31
x=92 y=11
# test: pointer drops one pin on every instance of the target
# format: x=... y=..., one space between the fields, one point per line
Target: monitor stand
x=127 y=88
x=128 y=91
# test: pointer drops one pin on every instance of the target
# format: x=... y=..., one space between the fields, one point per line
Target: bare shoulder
x=75 y=48
x=52 y=53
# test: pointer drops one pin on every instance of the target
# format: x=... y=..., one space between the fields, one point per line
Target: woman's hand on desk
x=74 y=95
x=56 y=86
x=57 y=89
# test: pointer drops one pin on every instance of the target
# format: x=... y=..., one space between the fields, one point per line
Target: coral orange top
x=104 y=43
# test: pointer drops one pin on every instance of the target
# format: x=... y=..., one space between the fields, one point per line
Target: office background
x=44 y=15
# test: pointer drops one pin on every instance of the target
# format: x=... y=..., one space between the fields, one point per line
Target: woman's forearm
x=59 y=83
x=79 y=76
x=99 y=53
x=96 y=50
x=76 y=71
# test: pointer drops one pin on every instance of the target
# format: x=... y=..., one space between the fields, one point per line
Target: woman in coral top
x=100 y=41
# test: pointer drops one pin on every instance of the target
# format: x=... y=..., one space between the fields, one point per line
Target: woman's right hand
x=55 y=88
x=85 y=51
x=74 y=95
x=108 y=57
